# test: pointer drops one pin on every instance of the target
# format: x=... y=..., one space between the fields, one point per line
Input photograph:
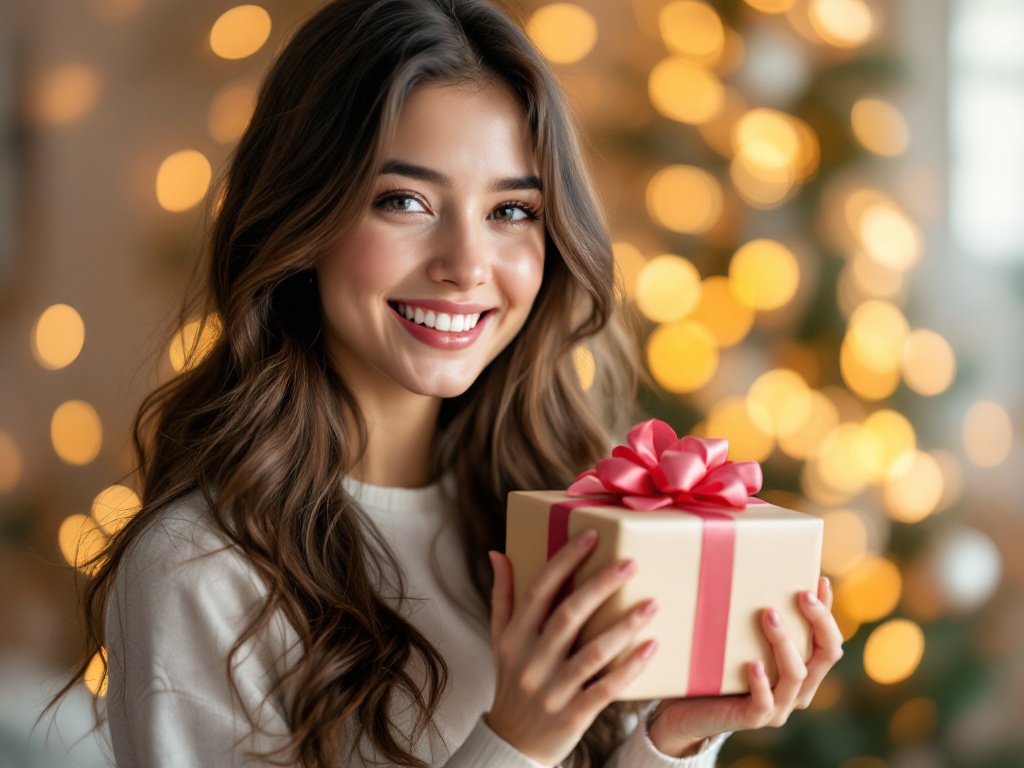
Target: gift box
x=713 y=557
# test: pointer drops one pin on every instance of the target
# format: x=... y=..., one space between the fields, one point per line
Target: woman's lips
x=443 y=339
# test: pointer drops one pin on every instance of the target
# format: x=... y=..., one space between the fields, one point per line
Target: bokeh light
x=667 y=288
x=802 y=425
x=95 y=677
x=182 y=180
x=761 y=188
x=876 y=335
x=928 y=362
x=842 y=23
x=889 y=236
x=80 y=540
x=771 y=392
x=728 y=320
x=718 y=132
x=771 y=6
x=65 y=93
x=629 y=261
x=692 y=29
x=113 y=507
x=879 y=127
x=893 y=651
x=988 y=434
x=682 y=356
x=563 y=32
x=871 y=589
x=194 y=342
x=890 y=437
x=57 y=337
x=240 y=32
x=730 y=419
x=76 y=432
x=914 y=721
x=845 y=542
x=10 y=463
x=913 y=488
x=684 y=91
x=764 y=274
x=231 y=111
x=684 y=199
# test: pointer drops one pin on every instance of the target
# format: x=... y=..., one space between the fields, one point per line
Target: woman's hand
x=542 y=704
x=678 y=726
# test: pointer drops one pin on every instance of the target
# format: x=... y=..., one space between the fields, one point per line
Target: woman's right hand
x=541 y=706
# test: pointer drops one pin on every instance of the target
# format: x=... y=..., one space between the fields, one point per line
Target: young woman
x=407 y=254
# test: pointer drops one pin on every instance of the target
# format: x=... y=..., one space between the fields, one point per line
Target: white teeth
x=442 y=321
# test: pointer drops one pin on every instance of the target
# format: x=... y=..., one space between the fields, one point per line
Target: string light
x=563 y=32
x=893 y=651
x=667 y=288
x=76 y=432
x=879 y=127
x=842 y=23
x=240 y=32
x=182 y=180
x=57 y=337
x=928 y=362
x=685 y=91
x=684 y=199
x=682 y=356
x=692 y=29
x=764 y=274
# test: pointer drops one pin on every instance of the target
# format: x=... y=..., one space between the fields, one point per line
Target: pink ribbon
x=657 y=470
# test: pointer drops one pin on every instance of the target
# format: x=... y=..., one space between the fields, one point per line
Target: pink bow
x=657 y=470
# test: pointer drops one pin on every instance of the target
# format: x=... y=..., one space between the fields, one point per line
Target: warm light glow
x=692 y=29
x=66 y=93
x=928 y=362
x=766 y=139
x=682 y=356
x=76 y=432
x=890 y=237
x=893 y=651
x=773 y=390
x=988 y=434
x=684 y=199
x=802 y=426
x=759 y=188
x=564 y=32
x=730 y=419
x=113 y=507
x=733 y=53
x=240 y=32
x=913 y=487
x=667 y=288
x=117 y=10
x=57 y=337
x=182 y=180
x=952 y=479
x=874 y=280
x=809 y=152
x=914 y=721
x=95 y=677
x=728 y=320
x=867 y=382
x=80 y=540
x=718 y=132
x=771 y=6
x=193 y=343
x=231 y=110
x=630 y=261
x=876 y=335
x=894 y=437
x=842 y=23
x=764 y=274
x=879 y=127
x=685 y=91
x=871 y=589
x=845 y=543
x=840 y=460
x=10 y=463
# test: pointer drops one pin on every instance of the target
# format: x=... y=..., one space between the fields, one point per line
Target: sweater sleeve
x=638 y=751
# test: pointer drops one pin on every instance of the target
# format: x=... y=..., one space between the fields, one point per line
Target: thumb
x=501 y=594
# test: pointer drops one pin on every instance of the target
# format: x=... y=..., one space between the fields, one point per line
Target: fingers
x=600 y=652
x=501 y=594
x=792 y=671
x=828 y=643
x=761 y=703
x=605 y=689
x=537 y=600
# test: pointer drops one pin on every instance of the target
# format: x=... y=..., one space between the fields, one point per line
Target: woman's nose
x=462 y=254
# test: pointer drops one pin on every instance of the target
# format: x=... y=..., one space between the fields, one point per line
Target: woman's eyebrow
x=431 y=176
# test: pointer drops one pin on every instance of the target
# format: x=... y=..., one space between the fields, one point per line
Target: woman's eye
x=403 y=204
x=510 y=213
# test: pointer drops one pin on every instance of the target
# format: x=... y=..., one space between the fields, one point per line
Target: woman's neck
x=401 y=441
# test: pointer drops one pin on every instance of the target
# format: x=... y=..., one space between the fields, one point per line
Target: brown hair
x=263 y=419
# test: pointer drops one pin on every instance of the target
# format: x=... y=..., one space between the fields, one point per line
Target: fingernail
x=588 y=537
x=490 y=556
x=828 y=584
x=647 y=649
x=773 y=618
x=627 y=566
x=647 y=609
x=810 y=598
x=759 y=669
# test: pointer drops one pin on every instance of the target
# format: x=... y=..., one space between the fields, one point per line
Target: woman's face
x=454 y=217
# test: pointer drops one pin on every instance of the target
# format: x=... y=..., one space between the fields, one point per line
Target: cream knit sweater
x=182 y=597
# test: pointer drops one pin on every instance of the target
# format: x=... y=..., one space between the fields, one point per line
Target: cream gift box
x=713 y=558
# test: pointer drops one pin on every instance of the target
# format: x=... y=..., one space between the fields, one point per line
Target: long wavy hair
x=261 y=421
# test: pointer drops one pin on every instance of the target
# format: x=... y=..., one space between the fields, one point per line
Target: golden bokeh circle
x=76 y=432
x=764 y=274
x=57 y=337
x=240 y=31
x=684 y=199
x=668 y=288
x=682 y=356
x=684 y=91
x=563 y=32
x=182 y=180
x=893 y=651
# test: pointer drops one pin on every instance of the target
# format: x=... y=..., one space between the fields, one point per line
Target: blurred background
x=818 y=210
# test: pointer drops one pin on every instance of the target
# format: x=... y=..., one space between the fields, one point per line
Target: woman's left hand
x=678 y=726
